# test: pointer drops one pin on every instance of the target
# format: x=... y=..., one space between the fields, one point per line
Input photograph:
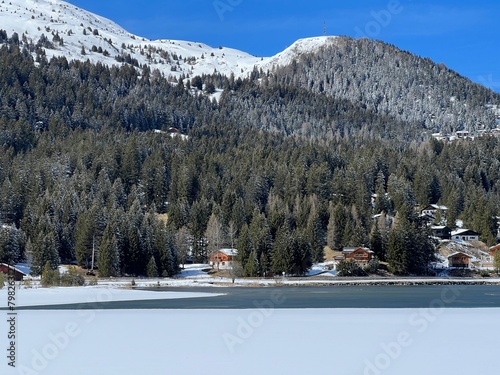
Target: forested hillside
x=281 y=169
x=392 y=82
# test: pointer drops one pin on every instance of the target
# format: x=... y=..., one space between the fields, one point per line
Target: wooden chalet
x=6 y=269
x=361 y=255
x=494 y=249
x=223 y=258
x=459 y=260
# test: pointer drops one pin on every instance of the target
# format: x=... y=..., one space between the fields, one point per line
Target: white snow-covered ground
x=91 y=294
x=258 y=341
x=195 y=271
x=324 y=269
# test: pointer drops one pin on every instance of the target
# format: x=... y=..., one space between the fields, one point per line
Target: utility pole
x=324 y=27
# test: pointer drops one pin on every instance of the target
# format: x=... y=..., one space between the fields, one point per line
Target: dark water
x=456 y=296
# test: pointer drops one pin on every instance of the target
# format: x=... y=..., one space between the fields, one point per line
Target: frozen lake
x=254 y=330
x=450 y=296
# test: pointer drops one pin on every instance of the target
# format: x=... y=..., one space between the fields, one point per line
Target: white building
x=464 y=235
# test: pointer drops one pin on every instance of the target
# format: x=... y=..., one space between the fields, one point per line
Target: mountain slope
x=389 y=81
x=81 y=30
x=370 y=74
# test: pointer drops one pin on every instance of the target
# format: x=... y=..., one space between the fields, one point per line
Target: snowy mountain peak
x=301 y=46
x=63 y=29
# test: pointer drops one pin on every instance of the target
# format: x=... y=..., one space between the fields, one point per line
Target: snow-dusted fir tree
x=152 y=269
x=108 y=257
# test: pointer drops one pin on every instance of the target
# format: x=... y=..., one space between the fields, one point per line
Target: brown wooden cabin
x=361 y=255
x=222 y=258
x=494 y=249
x=459 y=260
x=6 y=269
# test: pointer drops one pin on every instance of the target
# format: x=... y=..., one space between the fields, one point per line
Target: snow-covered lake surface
x=264 y=340
x=57 y=296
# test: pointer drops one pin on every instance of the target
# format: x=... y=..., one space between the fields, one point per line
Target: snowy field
x=262 y=340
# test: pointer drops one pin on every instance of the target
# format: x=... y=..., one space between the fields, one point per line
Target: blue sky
x=462 y=34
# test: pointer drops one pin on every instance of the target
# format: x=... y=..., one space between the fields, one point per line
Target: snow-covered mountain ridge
x=63 y=29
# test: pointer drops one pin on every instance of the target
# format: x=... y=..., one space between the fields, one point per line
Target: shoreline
x=312 y=281
x=304 y=282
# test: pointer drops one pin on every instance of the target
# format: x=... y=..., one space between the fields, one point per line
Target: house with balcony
x=361 y=255
x=464 y=235
x=459 y=260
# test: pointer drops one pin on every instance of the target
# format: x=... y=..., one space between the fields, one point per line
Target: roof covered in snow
x=229 y=252
x=464 y=231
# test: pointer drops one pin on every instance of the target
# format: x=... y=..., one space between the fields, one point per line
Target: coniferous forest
x=279 y=167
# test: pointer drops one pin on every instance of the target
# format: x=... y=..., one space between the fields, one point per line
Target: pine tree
x=382 y=203
x=261 y=240
x=50 y=276
x=44 y=252
x=282 y=256
x=12 y=244
x=410 y=249
x=152 y=269
x=251 y=265
x=316 y=231
x=199 y=216
x=379 y=236
x=397 y=253
x=108 y=258
x=302 y=253
x=85 y=237
x=167 y=246
x=377 y=244
x=244 y=246
x=336 y=226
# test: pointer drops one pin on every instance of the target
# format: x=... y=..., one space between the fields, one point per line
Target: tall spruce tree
x=244 y=246
x=410 y=249
x=152 y=269
x=336 y=226
x=282 y=256
x=109 y=258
